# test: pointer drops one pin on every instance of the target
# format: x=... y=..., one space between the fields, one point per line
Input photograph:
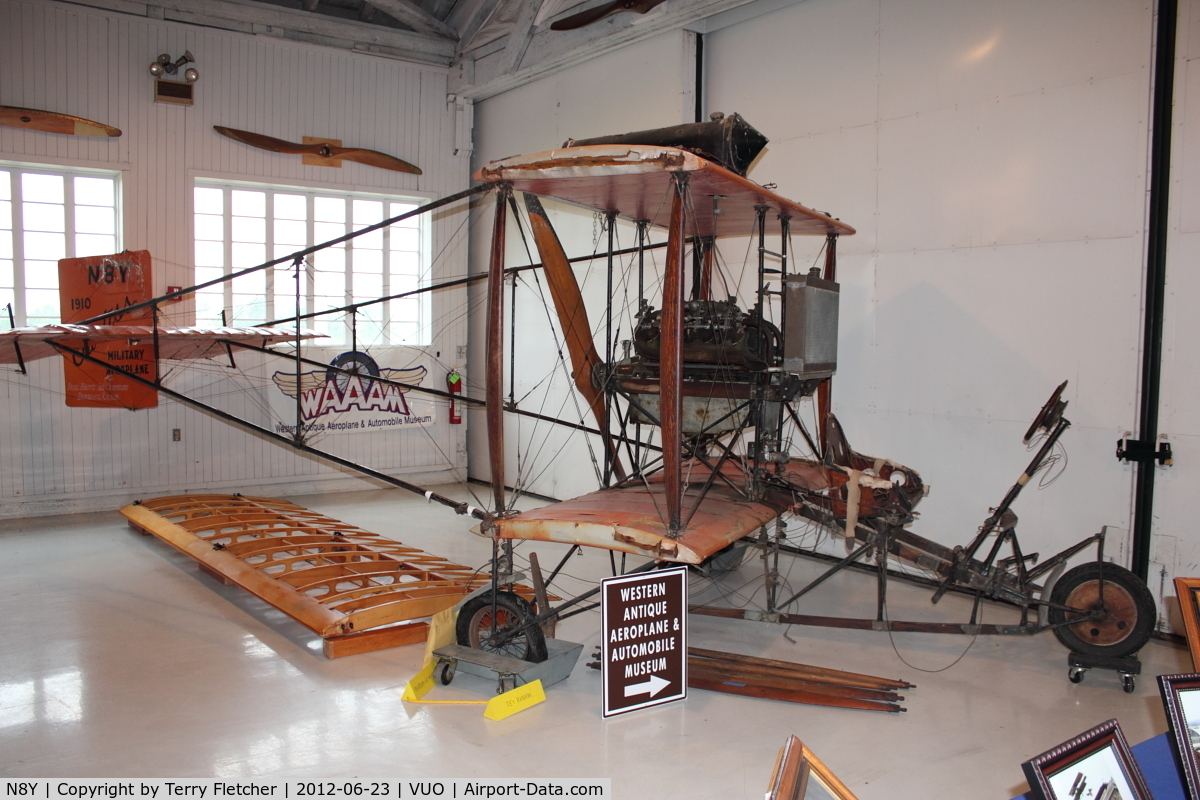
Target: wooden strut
x=671 y=357
x=770 y=679
x=572 y=318
x=824 y=389
x=494 y=364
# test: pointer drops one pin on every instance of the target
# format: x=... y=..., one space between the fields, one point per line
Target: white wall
x=93 y=64
x=993 y=159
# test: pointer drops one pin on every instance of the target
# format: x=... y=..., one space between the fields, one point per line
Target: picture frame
x=1181 y=700
x=1188 y=592
x=1095 y=765
x=800 y=775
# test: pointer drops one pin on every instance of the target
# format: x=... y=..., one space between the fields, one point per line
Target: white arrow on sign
x=653 y=686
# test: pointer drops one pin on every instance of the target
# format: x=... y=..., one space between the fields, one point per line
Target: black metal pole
x=1156 y=279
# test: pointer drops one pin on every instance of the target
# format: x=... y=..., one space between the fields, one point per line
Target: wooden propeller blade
x=372 y=158
x=576 y=21
x=52 y=122
x=572 y=314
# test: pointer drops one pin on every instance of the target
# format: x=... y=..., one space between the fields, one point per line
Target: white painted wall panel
x=92 y=64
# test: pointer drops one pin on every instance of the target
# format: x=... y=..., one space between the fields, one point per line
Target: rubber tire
x=1124 y=634
x=445 y=673
x=474 y=624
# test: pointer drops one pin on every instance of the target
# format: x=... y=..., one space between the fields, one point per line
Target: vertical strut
x=671 y=357
x=494 y=366
x=824 y=390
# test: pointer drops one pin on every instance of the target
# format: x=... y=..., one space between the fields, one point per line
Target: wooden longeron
x=358 y=590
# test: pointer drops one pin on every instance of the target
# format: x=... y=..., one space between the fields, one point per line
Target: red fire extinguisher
x=454 y=384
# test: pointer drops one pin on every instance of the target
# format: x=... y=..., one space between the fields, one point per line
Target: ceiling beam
x=416 y=18
x=252 y=17
x=519 y=37
x=549 y=51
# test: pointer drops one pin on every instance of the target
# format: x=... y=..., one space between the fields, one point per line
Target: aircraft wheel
x=1128 y=606
x=474 y=628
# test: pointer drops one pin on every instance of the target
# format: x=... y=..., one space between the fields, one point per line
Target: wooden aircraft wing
x=32 y=343
x=633 y=181
x=335 y=579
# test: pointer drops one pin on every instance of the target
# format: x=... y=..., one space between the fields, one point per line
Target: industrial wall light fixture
x=169 y=91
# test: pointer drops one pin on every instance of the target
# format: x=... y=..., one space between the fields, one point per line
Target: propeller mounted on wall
x=372 y=158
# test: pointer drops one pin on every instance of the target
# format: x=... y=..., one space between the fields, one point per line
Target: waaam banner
x=350 y=397
x=89 y=287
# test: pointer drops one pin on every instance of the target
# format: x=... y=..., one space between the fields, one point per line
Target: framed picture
x=800 y=775
x=1095 y=765
x=1181 y=696
x=1188 y=592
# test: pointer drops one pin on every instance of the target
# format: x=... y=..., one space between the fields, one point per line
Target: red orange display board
x=91 y=286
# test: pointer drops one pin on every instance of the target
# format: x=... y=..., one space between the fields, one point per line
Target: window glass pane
x=95 y=219
x=6 y=297
x=293 y=232
x=368 y=261
x=43 y=217
x=94 y=244
x=5 y=186
x=367 y=286
x=247 y=255
x=329 y=209
x=404 y=283
x=6 y=272
x=405 y=264
x=41 y=274
x=396 y=209
x=45 y=245
x=285 y=251
x=209 y=227
x=328 y=231
x=405 y=309
x=95 y=191
x=209 y=201
x=6 y=250
x=249 y=309
x=369 y=241
x=210 y=254
x=249 y=229
x=291 y=206
x=41 y=306
x=41 y=188
x=330 y=287
x=5 y=209
x=406 y=239
x=254 y=283
x=248 y=204
x=367 y=212
x=330 y=260
x=205 y=274
x=208 y=308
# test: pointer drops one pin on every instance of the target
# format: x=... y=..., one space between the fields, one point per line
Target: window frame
x=271 y=308
x=68 y=172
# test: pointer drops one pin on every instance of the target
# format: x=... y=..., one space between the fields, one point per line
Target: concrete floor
x=121 y=660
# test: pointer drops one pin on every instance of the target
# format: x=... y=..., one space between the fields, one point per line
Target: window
x=48 y=213
x=242 y=225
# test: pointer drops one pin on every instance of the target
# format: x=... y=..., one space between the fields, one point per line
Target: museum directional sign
x=644 y=652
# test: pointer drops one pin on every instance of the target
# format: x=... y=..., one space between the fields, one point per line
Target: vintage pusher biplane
x=697 y=418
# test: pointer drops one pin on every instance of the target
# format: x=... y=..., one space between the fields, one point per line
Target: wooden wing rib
x=333 y=578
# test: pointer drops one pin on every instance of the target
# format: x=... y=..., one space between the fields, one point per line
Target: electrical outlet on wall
x=176 y=435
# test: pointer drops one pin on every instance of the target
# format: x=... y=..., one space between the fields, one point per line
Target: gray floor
x=120 y=659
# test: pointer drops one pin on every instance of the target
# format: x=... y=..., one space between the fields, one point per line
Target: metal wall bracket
x=1143 y=451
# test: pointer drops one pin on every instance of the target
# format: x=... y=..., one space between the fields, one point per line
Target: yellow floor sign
x=499 y=707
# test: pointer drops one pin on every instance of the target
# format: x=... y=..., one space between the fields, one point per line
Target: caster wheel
x=1128 y=683
x=1075 y=675
x=445 y=672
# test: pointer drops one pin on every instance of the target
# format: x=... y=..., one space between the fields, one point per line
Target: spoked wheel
x=1127 y=610
x=356 y=364
x=474 y=627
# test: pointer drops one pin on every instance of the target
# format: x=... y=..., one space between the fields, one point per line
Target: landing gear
x=1119 y=618
x=511 y=637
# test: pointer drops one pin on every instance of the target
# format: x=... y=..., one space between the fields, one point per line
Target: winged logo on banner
x=308 y=381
